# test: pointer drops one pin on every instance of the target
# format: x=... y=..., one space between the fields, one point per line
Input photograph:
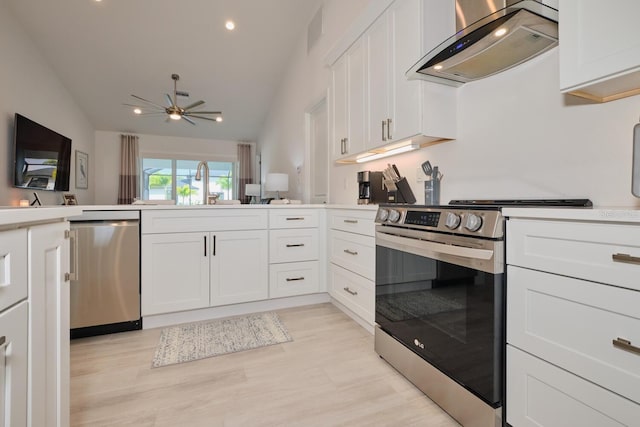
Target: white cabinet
x=349 y=102
x=351 y=249
x=238 y=266
x=223 y=260
x=572 y=323
x=13 y=266
x=13 y=365
x=175 y=272
x=49 y=325
x=294 y=253
x=600 y=48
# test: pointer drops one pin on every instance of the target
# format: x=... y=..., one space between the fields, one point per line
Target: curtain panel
x=128 y=185
x=245 y=174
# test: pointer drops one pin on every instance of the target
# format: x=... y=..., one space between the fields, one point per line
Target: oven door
x=443 y=297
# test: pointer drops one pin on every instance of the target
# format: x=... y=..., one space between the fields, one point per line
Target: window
x=174 y=179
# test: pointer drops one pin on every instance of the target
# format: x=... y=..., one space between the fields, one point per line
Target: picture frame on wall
x=70 y=199
x=82 y=170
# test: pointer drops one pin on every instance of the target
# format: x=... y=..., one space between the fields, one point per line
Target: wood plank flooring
x=328 y=376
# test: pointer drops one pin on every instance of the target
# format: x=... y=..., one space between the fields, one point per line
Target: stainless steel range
x=440 y=301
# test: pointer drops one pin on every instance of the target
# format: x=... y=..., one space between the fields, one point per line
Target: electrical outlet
x=420 y=177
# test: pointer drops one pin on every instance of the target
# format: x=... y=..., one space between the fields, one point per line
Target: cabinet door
x=600 y=49
x=378 y=71
x=239 y=266
x=13 y=267
x=405 y=112
x=356 y=98
x=49 y=325
x=13 y=366
x=339 y=108
x=174 y=272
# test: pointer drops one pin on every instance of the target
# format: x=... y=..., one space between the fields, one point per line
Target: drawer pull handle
x=351 y=221
x=626 y=258
x=295 y=245
x=297 y=218
x=623 y=344
x=350 y=252
x=350 y=291
x=293 y=279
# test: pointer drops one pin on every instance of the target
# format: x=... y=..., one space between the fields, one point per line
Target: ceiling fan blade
x=201 y=117
x=195 y=104
x=189 y=120
x=169 y=100
x=149 y=102
x=203 y=112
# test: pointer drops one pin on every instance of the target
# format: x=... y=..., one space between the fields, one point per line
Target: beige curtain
x=245 y=175
x=128 y=186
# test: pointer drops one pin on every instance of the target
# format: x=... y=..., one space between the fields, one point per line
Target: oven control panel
x=454 y=220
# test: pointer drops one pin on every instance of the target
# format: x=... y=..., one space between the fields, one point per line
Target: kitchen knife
x=395 y=169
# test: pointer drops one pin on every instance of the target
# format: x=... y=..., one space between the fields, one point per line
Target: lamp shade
x=252 y=190
x=277 y=182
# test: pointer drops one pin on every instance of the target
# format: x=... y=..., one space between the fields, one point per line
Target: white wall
x=282 y=141
x=518 y=136
x=29 y=86
x=108 y=151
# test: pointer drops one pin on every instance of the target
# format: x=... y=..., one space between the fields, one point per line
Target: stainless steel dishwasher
x=105 y=291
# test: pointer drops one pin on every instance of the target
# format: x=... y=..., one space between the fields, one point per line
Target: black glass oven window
x=452 y=316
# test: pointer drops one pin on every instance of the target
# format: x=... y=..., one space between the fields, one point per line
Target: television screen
x=42 y=157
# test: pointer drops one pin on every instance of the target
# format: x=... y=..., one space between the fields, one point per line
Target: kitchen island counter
x=599 y=214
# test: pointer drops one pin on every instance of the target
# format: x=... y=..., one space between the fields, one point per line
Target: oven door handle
x=421 y=247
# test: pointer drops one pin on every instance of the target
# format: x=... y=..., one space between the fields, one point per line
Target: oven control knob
x=473 y=222
x=452 y=221
x=394 y=215
x=383 y=214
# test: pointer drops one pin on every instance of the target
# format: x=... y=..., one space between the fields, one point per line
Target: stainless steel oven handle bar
x=401 y=243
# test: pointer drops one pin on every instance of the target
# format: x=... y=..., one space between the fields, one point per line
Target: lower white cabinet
x=188 y=271
x=13 y=365
x=293 y=278
x=354 y=292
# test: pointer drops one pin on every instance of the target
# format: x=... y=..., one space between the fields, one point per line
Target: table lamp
x=252 y=190
x=277 y=182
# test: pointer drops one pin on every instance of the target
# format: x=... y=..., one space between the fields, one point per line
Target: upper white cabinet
x=349 y=102
x=600 y=49
x=392 y=108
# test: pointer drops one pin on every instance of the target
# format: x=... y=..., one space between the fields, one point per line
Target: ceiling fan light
x=175 y=116
x=219 y=119
x=137 y=111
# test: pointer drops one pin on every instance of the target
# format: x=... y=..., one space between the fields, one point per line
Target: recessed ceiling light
x=500 y=32
x=218 y=119
x=437 y=67
x=230 y=25
x=135 y=110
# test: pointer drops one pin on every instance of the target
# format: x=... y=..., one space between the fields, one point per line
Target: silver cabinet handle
x=384 y=137
x=349 y=291
x=350 y=252
x=351 y=221
x=297 y=218
x=293 y=279
x=342 y=146
x=623 y=344
x=389 y=129
x=626 y=258
x=295 y=245
x=73 y=242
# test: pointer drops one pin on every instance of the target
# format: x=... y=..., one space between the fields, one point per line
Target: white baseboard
x=161 y=320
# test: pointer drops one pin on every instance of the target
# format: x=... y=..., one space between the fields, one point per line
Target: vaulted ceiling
x=104 y=51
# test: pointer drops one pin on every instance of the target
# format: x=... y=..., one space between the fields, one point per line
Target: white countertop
x=257 y=206
x=16 y=215
x=600 y=214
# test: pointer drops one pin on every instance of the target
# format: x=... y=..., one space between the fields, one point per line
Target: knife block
x=401 y=194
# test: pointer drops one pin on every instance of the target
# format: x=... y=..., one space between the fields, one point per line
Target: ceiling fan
x=173 y=110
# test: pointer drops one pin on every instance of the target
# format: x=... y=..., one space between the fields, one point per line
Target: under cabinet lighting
x=500 y=32
x=392 y=152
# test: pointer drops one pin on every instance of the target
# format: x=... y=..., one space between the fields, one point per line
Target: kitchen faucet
x=203 y=165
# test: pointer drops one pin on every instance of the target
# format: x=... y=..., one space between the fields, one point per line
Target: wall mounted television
x=42 y=157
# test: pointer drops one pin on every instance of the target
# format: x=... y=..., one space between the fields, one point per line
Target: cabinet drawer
x=13 y=365
x=542 y=395
x=354 y=221
x=572 y=323
x=300 y=244
x=353 y=252
x=204 y=219
x=13 y=267
x=354 y=292
x=585 y=250
x=296 y=278
x=293 y=218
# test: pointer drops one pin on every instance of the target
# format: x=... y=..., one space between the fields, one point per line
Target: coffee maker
x=370 y=188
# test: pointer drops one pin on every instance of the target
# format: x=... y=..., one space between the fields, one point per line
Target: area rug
x=194 y=341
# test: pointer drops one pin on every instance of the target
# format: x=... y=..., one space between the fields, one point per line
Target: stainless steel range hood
x=508 y=33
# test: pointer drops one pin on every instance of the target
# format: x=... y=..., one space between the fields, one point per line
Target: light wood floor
x=328 y=376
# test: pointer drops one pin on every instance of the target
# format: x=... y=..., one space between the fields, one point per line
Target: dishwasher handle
x=73 y=245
